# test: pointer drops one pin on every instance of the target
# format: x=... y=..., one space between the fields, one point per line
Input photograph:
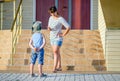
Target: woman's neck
x=56 y=17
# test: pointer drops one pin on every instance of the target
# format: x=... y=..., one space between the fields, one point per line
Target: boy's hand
x=35 y=49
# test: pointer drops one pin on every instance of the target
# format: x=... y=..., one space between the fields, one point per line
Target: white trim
x=69 y=11
x=91 y=14
x=56 y=3
x=1 y=15
x=34 y=10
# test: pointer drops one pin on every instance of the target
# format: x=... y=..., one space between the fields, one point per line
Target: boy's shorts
x=56 y=42
x=39 y=55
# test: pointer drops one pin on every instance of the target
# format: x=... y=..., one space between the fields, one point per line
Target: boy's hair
x=37 y=26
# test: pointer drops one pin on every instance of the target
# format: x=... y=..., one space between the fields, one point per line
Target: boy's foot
x=43 y=75
x=32 y=75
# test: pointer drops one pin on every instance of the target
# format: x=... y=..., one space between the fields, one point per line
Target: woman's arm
x=65 y=32
x=49 y=28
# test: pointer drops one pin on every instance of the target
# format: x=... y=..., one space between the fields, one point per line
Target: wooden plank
x=98 y=77
x=77 y=77
x=29 y=78
x=12 y=77
x=40 y=78
x=5 y=75
x=67 y=77
x=72 y=77
x=89 y=77
x=82 y=77
x=116 y=77
x=22 y=77
x=108 y=77
x=62 y=77
x=59 y=77
x=51 y=77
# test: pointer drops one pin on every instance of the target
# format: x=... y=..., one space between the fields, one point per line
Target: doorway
x=76 y=12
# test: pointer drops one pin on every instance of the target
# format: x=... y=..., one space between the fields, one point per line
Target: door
x=76 y=12
x=42 y=7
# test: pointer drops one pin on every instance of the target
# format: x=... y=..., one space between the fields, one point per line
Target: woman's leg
x=59 y=60
x=56 y=53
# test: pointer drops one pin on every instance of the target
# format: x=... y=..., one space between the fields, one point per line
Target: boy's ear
x=39 y=27
x=32 y=28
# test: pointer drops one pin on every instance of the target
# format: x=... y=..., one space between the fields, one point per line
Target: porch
x=60 y=77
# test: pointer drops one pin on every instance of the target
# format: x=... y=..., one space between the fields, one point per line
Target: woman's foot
x=54 y=71
x=59 y=69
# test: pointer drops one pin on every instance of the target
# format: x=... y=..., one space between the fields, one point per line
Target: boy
x=37 y=42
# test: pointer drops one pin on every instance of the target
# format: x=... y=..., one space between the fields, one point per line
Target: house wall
x=113 y=50
x=94 y=14
x=110 y=37
x=27 y=14
x=7 y=16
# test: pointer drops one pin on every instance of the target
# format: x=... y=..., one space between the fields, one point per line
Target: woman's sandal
x=59 y=69
x=54 y=71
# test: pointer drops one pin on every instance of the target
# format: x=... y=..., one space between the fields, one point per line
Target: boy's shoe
x=32 y=75
x=43 y=75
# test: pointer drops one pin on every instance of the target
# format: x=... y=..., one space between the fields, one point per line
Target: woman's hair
x=53 y=9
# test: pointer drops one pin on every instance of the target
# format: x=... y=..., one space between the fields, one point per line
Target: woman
x=55 y=24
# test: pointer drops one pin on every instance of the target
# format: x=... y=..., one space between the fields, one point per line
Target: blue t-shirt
x=37 y=40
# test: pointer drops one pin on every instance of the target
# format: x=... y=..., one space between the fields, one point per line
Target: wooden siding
x=7 y=15
x=27 y=14
x=113 y=50
x=95 y=14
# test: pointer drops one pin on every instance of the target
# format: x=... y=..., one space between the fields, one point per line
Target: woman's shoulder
x=60 y=17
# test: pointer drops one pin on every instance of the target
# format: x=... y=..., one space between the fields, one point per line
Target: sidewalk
x=59 y=77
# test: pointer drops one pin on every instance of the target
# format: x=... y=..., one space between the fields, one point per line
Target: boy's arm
x=31 y=44
x=44 y=42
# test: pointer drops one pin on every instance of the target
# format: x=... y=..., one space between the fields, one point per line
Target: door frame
x=69 y=11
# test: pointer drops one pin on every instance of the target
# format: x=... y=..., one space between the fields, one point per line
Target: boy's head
x=37 y=26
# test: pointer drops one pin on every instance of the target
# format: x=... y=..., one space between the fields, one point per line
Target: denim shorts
x=39 y=55
x=56 y=42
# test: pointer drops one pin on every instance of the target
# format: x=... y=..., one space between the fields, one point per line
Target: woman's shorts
x=56 y=42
